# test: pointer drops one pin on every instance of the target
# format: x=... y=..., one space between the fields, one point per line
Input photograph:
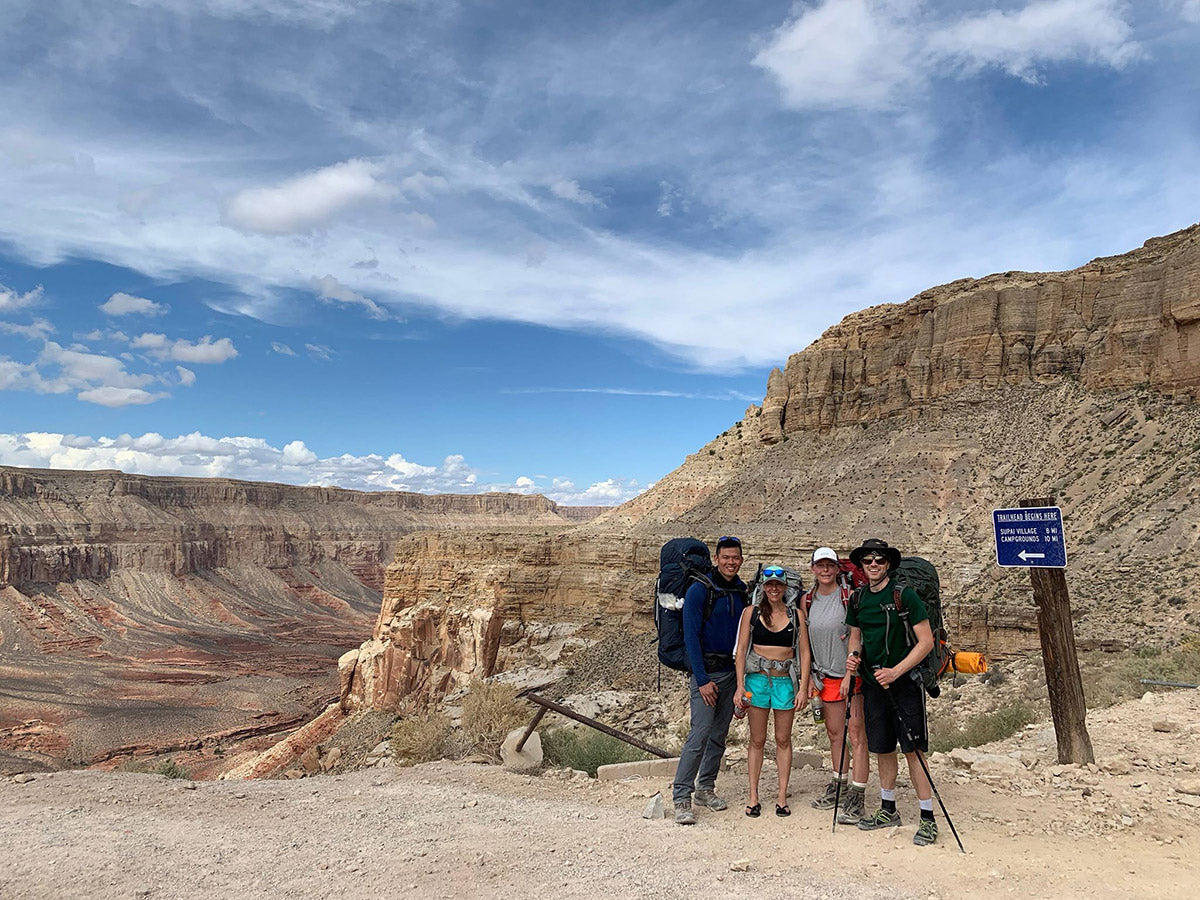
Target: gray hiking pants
x=700 y=759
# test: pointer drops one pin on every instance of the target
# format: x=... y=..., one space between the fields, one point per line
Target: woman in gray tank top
x=825 y=606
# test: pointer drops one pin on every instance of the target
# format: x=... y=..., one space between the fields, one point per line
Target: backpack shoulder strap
x=855 y=600
x=898 y=589
x=711 y=591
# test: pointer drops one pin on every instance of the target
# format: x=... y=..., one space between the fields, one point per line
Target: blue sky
x=552 y=247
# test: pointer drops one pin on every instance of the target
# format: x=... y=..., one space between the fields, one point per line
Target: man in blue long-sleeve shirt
x=710 y=643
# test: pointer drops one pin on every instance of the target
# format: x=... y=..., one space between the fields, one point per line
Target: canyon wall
x=140 y=613
x=1113 y=323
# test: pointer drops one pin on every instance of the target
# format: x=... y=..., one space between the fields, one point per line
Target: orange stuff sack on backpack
x=968 y=663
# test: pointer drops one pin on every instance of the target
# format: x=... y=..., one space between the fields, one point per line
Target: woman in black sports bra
x=773 y=663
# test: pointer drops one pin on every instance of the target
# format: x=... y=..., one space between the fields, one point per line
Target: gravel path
x=463 y=830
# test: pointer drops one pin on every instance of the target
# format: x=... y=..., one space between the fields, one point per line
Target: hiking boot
x=684 y=814
x=710 y=800
x=825 y=801
x=926 y=833
x=882 y=818
x=853 y=807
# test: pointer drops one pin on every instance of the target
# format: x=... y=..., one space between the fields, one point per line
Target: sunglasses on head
x=727 y=539
x=774 y=572
x=874 y=560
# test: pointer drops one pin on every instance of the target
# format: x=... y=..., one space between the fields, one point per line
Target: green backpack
x=920 y=575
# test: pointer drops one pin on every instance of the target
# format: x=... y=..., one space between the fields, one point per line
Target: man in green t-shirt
x=893 y=698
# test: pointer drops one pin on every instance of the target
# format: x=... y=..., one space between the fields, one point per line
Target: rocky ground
x=1127 y=827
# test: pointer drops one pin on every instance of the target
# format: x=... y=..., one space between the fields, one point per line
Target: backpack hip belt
x=772 y=668
x=718 y=662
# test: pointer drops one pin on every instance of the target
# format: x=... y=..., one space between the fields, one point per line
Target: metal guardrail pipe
x=1179 y=684
x=579 y=717
x=532 y=725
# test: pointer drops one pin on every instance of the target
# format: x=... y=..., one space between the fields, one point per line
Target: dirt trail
x=463 y=830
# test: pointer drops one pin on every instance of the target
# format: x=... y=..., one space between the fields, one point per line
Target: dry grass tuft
x=489 y=712
x=421 y=737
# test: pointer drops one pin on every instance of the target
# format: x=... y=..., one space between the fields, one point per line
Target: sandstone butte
x=906 y=421
x=146 y=614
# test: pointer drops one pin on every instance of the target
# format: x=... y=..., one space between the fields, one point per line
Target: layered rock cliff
x=140 y=613
x=1114 y=323
x=909 y=422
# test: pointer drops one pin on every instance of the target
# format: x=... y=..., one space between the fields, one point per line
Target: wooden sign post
x=1035 y=540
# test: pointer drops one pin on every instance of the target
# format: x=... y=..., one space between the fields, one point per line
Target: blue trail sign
x=1030 y=537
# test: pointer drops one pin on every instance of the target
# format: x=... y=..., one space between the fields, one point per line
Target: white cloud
x=871 y=54
x=282 y=349
x=670 y=197
x=1044 y=31
x=38 y=329
x=1190 y=10
x=423 y=186
x=121 y=304
x=254 y=459
x=844 y=53
x=570 y=190
x=318 y=13
x=308 y=200
x=116 y=396
x=152 y=341
x=772 y=225
x=205 y=350
x=96 y=378
x=610 y=492
x=319 y=351
x=17 y=376
x=77 y=368
x=12 y=300
x=419 y=221
x=331 y=290
x=631 y=392
x=297 y=454
x=102 y=379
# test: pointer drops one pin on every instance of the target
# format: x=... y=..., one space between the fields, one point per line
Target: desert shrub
x=982 y=729
x=168 y=768
x=421 y=737
x=490 y=710
x=1110 y=678
x=585 y=749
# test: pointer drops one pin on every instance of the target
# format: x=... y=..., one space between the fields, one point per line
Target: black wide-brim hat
x=875 y=545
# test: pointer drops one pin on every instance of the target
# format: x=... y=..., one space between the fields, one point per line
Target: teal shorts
x=771 y=691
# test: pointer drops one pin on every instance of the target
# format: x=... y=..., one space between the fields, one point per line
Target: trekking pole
x=921 y=759
x=837 y=791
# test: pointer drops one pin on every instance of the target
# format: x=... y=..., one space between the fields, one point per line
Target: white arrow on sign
x=1025 y=554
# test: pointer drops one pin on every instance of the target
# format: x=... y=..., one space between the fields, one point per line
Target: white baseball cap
x=824 y=553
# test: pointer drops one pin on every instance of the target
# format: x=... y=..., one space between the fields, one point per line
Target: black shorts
x=884 y=726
